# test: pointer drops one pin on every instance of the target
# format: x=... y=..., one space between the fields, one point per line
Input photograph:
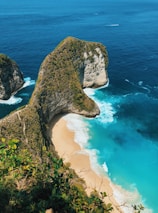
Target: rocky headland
x=73 y=65
x=11 y=78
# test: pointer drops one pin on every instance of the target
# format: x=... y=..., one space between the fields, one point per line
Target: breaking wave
x=16 y=99
x=11 y=101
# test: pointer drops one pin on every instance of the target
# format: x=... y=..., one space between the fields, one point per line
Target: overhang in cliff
x=73 y=65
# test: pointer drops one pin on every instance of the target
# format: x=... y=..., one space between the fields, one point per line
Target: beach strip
x=70 y=151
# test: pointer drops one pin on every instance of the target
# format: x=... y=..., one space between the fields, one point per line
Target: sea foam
x=107 y=110
x=28 y=82
x=127 y=199
x=139 y=84
x=76 y=124
x=11 y=101
x=105 y=167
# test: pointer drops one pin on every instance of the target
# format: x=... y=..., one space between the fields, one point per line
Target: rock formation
x=11 y=78
x=74 y=64
x=94 y=68
x=59 y=89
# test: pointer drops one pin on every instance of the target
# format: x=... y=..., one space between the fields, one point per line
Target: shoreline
x=79 y=160
x=69 y=140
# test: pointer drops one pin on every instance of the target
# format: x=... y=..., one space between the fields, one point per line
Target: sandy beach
x=70 y=151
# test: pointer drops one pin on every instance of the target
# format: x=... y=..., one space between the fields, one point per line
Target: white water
x=15 y=99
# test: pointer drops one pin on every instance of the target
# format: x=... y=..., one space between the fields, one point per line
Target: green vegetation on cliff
x=3 y=59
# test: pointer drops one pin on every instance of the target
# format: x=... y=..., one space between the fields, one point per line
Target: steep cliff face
x=11 y=78
x=95 y=65
x=74 y=64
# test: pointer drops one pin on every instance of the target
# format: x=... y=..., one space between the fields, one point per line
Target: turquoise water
x=130 y=154
x=125 y=135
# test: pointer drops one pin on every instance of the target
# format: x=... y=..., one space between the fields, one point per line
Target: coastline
x=79 y=160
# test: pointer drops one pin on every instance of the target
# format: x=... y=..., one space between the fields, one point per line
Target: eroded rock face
x=95 y=74
x=11 y=78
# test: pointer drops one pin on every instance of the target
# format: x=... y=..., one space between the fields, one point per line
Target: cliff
x=33 y=178
x=73 y=64
x=11 y=78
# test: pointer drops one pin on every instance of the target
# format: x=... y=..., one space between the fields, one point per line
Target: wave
x=93 y=157
x=112 y=25
x=104 y=86
x=140 y=85
x=146 y=87
x=76 y=124
x=127 y=199
x=89 y=92
x=105 y=167
x=107 y=111
x=11 y=101
x=24 y=94
x=28 y=82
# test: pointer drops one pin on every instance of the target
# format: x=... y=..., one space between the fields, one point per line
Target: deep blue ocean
x=125 y=134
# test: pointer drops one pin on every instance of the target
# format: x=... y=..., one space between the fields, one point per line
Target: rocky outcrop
x=95 y=65
x=74 y=64
x=11 y=78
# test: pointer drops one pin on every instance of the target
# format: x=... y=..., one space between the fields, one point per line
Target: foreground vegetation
x=27 y=186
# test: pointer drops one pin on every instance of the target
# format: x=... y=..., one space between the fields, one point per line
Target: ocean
x=123 y=139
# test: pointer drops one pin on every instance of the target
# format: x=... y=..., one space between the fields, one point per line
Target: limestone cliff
x=11 y=78
x=74 y=64
x=95 y=65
